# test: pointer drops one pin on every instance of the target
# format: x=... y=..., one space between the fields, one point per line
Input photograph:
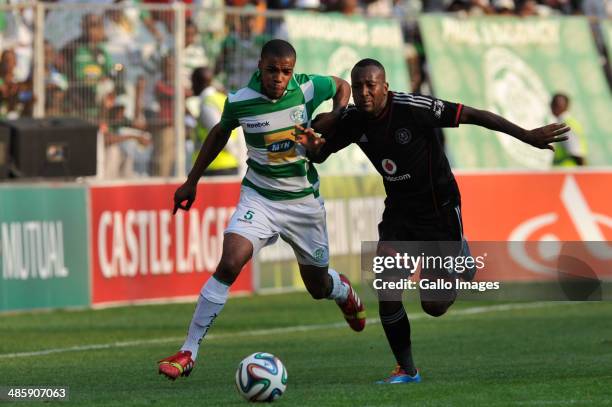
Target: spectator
x=240 y=52
x=125 y=46
x=208 y=20
x=349 y=7
x=18 y=35
x=120 y=28
x=414 y=52
x=601 y=9
x=573 y=151
x=257 y=6
x=162 y=26
x=163 y=134
x=15 y=97
x=194 y=53
x=211 y=107
x=127 y=149
x=130 y=26
x=529 y=8
x=56 y=83
x=459 y=6
x=480 y=7
x=90 y=69
x=136 y=43
x=8 y=86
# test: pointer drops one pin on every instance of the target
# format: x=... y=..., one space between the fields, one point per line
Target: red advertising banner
x=532 y=206
x=551 y=211
x=141 y=251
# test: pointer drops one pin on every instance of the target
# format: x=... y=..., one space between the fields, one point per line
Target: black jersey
x=403 y=146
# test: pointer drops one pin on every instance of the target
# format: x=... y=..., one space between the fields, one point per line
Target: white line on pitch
x=271 y=331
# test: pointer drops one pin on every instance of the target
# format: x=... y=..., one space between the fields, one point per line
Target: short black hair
x=562 y=96
x=369 y=62
x=201 y=77
x=278 y=48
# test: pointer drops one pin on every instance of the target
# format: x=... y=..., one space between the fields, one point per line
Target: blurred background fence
x=127 y=67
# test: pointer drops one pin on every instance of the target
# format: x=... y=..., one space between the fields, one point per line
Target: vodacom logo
x=587 y=224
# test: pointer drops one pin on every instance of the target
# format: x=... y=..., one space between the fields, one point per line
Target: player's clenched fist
x=186 y=192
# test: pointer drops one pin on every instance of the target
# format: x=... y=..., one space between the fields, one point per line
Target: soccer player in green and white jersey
x=279 y=194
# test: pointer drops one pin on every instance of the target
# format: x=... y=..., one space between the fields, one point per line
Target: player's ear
x=259 y=64
x=386 y=87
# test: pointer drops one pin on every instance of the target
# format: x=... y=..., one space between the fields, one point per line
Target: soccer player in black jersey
x=396 y=132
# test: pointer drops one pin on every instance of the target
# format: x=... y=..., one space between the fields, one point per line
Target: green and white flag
x=512 y=67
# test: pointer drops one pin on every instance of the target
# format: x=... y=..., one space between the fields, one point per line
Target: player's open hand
x=308 y=138
x=185 y=193
x=542 y=137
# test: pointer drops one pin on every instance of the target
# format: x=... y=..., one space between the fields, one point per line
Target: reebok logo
x=257 y=125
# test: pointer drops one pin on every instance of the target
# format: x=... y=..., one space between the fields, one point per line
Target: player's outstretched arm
x=212 y=146
x=541 y=137
x=324 y=123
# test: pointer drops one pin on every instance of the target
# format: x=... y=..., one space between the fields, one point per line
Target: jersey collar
x=255 y=84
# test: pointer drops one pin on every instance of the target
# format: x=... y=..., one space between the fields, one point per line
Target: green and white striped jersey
x=278 y=167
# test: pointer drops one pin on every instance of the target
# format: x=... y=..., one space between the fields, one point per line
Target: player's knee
x=228 y=269
x=435 y=308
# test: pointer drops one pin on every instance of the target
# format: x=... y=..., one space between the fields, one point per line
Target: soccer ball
x=261 y=377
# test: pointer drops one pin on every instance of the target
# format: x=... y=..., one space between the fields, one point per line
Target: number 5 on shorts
x=248 y=215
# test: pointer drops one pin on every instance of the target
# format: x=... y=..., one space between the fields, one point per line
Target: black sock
x=397 y=328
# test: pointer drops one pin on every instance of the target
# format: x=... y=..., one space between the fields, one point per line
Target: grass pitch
x=479 y=354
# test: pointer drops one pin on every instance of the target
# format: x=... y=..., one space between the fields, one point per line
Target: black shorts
x=399 y=225
x=423 y=234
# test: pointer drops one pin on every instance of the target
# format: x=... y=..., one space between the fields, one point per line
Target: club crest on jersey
x=403 y=136
x=438 y=108
x=298 y=115
x=389 y=166
x=320 y=254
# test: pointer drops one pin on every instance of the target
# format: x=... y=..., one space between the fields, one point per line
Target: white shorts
x=300 y=223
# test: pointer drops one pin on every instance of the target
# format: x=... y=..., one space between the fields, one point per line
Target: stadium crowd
x=116 y=66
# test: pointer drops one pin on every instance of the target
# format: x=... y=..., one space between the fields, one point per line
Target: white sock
x=210 y=303
x=339 y=290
